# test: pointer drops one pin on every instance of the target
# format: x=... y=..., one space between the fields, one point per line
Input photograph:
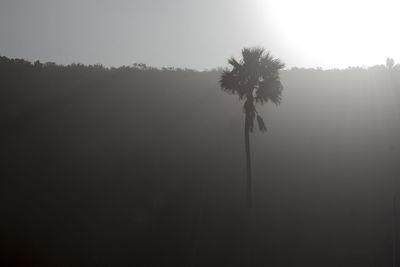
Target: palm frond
x=261 y=124
x=252 y=55
x=232 y=61
x=228 y=81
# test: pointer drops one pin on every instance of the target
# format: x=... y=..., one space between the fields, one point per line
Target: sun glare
x=336 y=33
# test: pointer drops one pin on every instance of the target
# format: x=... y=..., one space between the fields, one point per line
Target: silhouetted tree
x=255 y=79
x=389 y=63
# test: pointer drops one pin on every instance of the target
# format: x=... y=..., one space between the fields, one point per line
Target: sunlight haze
x=336 y=33
x=200 y=34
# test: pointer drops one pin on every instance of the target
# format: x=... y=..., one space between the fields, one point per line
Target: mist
x=244 y=139
x=146 y=166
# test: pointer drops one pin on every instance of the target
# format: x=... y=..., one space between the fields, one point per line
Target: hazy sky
x=200 y=34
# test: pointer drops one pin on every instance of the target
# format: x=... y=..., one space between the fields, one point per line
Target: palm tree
x=255 y=79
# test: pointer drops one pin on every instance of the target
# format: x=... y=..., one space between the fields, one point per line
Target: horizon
x=200 y=35
x=136 y=64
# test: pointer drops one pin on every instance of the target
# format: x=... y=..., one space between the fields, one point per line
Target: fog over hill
x=136 y=165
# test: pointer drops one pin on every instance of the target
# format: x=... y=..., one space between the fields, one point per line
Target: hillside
x=138 y=165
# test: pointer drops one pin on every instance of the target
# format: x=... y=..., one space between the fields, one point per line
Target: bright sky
x=200 y=34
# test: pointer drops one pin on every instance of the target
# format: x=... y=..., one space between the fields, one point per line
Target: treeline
x=25 y=83
x=17 y=63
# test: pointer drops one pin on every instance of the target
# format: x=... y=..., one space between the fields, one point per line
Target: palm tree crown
x=255 y=78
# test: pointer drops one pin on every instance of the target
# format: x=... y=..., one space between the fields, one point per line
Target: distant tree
x=255 y=79
x=50 y=65
x=141 y=66
x=389 y=63
x=37 y=64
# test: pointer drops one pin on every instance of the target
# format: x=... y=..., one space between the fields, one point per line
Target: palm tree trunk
x=248 y=160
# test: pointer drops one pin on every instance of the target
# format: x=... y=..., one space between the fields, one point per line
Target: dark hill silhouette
x=139 y=165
